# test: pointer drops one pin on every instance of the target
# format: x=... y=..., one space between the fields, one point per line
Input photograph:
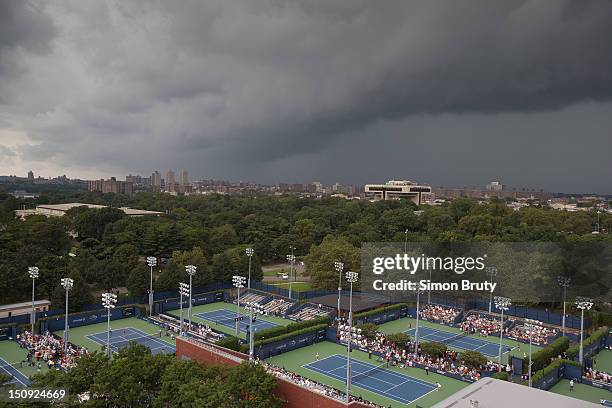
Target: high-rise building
x=30 y=175
x=111 y=185
x=170 y=181
x=495 y=186
x=184 y=180
x=156 y=179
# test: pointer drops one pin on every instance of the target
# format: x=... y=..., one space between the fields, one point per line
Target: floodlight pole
x=339 y=266
x=351 y=277
x=238 y=283
x=151 y=261
x=416 y=330
x=491 y=272
x=191 y=270
x=502 y=303
x=249 y=253
x=291 y=258
x=582 y=303
x=33 y=271
x=108 y=302
x=531 y=324
x=255 y=309
x=564 y=281
x=184 y=290
x=67 y=283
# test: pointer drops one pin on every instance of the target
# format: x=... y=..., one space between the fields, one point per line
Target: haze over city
x=444 y=93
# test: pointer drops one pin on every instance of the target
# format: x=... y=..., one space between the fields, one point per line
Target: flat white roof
x=22 y=305
x=490 y=392
x=67 y=206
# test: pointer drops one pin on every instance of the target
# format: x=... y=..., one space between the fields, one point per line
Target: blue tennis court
x=390 y=384
x=227 y=318
x=121 y=338
x=19 y=378
x=463 y=342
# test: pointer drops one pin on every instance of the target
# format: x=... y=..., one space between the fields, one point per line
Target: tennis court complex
x=459 y=340
x=378 y=379
x=227 y=318
x=120 y=338
x=19 y=378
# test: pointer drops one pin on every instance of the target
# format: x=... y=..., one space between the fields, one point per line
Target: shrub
x=501 y=375
x=379 y=310
x=291 y=327
x=312 y=329
x=541 y=358
x=433 y=349
x=230 y=342
x=595 y=337
x=555 y=365
x=368 y=329
x=400 y=339
x=473 y=359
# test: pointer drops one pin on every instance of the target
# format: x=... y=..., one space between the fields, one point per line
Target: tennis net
x=368 y=372
x=117 y=344
x=456 y=337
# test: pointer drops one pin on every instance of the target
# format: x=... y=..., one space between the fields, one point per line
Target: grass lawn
x=78 y=334
x=296 y=359
x=603 y=361
x=223 y=305
x=401 y=325
x=581 y=391
x=296 y=286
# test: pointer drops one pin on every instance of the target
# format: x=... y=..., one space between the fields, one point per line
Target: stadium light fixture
x=582 y=303
x=564 y=282
x=151 y=262
x=33 y=271
x=339 y=266
x=68 y=284
x=416 y=326
x=491 y=272
x=255 y=309
x=249 y=252
x=238 y=282
x=531 y=325
x=191 y=270
x=502 y=303
x=291 y=259
x=351 y=277
x=108 y=302
x=184 y=290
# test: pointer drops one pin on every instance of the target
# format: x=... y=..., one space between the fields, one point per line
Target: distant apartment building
x=395 y=189
x=184 y=178
x=495 y=186
x=111 y=185
x=170 y=182
x=30 y=175
x=156 y=180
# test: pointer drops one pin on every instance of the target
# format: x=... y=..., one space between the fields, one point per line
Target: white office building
x=395 y=189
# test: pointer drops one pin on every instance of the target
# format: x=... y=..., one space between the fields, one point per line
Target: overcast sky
x=453 y=93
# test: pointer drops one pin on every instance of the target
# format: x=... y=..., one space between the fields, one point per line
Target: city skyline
x=448 y=94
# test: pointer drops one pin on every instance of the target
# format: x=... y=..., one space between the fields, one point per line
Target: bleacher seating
x=276 y=307
x=308 y=313
x=251 y=297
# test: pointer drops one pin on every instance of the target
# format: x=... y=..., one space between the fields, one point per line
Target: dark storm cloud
x=232 y=88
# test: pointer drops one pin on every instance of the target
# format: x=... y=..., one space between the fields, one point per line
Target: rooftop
x=489 y=392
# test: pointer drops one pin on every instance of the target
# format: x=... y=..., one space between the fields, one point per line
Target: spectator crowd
x=49 y=349
x=440 y=314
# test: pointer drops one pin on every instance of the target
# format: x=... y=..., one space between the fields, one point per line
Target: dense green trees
x=135 y=377
x=212 y=232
